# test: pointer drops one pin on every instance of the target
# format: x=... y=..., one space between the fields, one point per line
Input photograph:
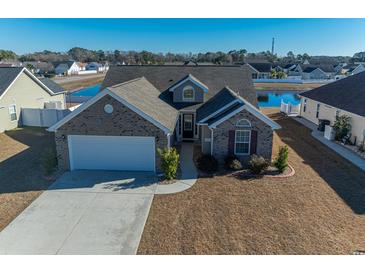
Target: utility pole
x=272 y=46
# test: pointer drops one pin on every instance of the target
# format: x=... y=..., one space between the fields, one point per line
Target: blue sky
x=313 y=36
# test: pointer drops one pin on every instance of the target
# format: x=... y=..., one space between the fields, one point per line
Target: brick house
x=142 y=108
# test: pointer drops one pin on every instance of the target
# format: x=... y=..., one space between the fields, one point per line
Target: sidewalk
x=189 y=173
x=342 y=151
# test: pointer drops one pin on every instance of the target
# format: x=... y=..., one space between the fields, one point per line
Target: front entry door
x=188 y=126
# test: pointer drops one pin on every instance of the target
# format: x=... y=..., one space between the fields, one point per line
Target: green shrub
x=281 y=161
x=49 y=161
x=170 y=162
x=207 y=163
x=258 y=164
x=342 y=126
x=232 y=163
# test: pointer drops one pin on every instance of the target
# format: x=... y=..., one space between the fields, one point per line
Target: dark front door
x=188 y=126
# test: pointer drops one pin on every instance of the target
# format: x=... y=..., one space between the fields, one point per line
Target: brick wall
x=264 y=136
x=95 y=121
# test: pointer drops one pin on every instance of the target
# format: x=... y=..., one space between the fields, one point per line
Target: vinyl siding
x=24 y=93
x=329 y=113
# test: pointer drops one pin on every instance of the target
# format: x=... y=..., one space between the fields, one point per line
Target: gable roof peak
x=190 y=77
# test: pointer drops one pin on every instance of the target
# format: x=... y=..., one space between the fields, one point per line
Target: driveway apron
x=84 y=212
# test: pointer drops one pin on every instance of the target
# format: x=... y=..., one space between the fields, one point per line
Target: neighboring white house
x=66 y=68
x=345 y=96
x=353 y=69
x=312 y=72
x=19 y=88
x=97 y=66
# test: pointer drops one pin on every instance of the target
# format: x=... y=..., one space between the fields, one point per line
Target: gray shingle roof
x=135 y=90
x=221 y=99
x=346 y=94
x=67 y=64
x=262 y=67
x=7 y=76
x=191 y=77
x=224 y=113
x=54 y=87
x=162 y=77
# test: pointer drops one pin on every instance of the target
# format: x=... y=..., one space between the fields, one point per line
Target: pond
x=88 y=91
x=265 y=98
x=273 y=98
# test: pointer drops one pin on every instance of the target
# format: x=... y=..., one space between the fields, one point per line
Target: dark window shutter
x=231 y=136
x=253 y=147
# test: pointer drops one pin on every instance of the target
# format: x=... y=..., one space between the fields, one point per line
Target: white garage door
x=112 y=152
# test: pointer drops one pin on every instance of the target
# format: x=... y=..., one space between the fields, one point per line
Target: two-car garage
x=111 y=152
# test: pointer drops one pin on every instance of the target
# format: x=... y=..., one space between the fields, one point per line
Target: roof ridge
x=235 y=94
x=128 y=82
x=183 y=66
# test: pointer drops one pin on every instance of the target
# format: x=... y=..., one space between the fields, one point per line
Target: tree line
x=147 y=57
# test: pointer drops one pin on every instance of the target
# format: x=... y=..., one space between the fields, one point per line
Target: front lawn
x=320 y=210
x=21 y=175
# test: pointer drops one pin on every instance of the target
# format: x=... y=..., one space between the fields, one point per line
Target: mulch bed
x=270 y=172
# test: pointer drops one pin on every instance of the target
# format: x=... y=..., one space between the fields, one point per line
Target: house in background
x=318 y=72
x=19 y=88
x=82 y=66
x=98 y=67
x=66 y=68
x=142 y=108
x=312 y=72
x=353 y=69
x=38 y=67
x=260 y=70
x=346 y=96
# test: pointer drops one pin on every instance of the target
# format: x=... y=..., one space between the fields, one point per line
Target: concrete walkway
x=342 y=151
x=189 y=173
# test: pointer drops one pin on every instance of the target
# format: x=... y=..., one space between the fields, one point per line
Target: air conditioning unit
x=329 y=133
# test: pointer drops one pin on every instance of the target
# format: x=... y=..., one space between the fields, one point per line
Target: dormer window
x=188 y=93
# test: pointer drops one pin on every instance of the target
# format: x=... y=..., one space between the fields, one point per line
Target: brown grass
x=21 y=177
x=320 y=210
x=82 y=83
x=285 y=86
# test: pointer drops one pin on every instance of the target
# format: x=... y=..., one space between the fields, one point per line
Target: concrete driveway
x=84 y=212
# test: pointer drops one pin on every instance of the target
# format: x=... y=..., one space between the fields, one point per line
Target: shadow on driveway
x=104 y=181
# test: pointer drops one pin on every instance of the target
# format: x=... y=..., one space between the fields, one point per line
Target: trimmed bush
x=281 y=161
x=49 y=161
x=342 y=127
x=258 y=164
x=170 y=162
x=207 y=163
x=232 y=163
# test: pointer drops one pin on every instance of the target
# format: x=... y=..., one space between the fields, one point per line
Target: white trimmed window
x=242 y=142
x=188 y=93
x=243 y=123
x=12 y=112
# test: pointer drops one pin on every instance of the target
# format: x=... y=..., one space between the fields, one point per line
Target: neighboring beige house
x=346 y=96
x=142 y=108
x=19 y=88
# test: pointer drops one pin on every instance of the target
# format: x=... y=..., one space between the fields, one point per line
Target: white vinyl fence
x=289 y=109
x=42 y=117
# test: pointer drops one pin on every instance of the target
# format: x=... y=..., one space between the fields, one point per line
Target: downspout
x=211 y=141
x=168 y=140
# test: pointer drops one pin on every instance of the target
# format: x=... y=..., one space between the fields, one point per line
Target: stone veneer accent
x=264 y=136
x=95 y=121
